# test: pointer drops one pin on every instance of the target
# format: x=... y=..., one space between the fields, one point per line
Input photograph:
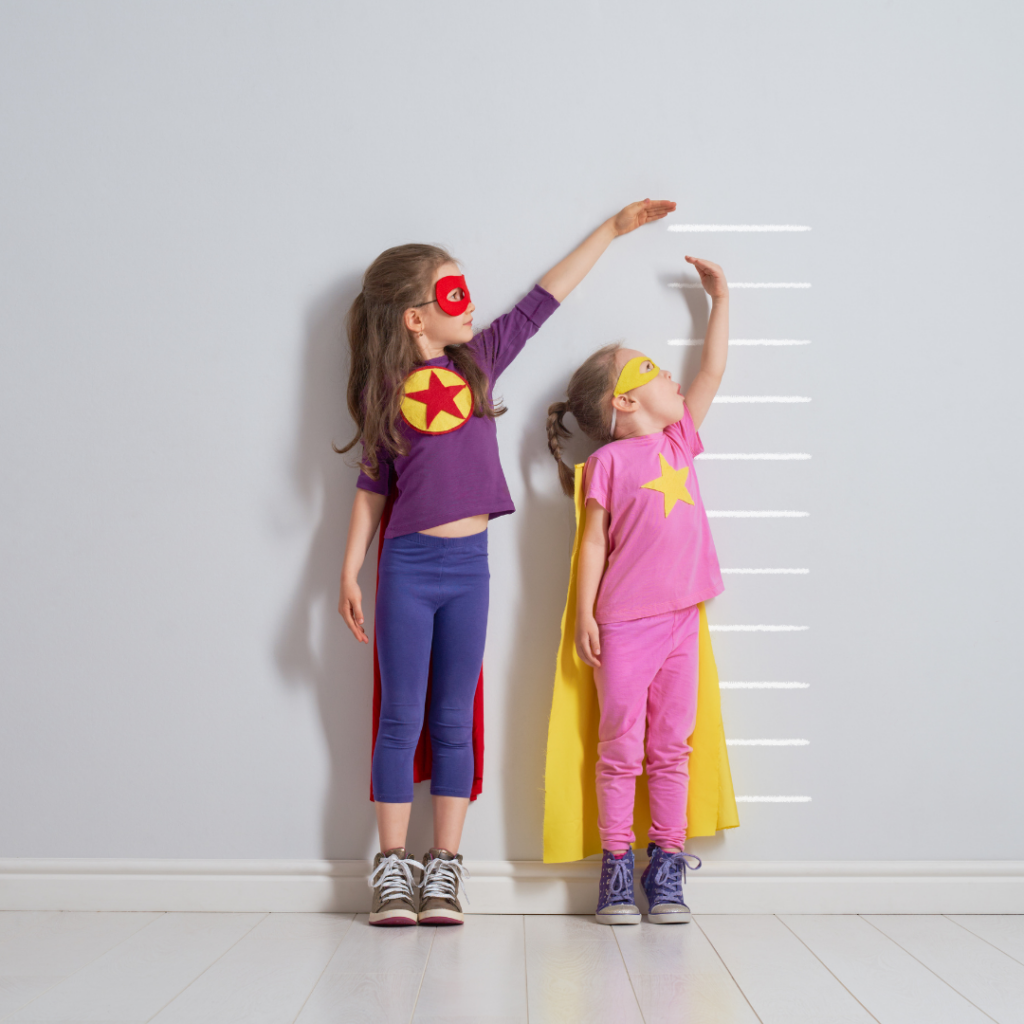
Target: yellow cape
x=570 y=801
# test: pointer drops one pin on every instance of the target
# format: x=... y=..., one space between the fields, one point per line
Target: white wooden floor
x=318 y=968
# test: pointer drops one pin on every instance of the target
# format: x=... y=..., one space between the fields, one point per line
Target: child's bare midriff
x=460 y=527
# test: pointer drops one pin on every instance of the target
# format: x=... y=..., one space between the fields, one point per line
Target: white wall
x=189 y=193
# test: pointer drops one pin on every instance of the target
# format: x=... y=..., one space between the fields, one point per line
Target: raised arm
x=564 y=276
x=716 y=341
x=367 y=508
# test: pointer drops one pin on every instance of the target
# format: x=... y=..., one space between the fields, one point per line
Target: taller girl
x=421 y=393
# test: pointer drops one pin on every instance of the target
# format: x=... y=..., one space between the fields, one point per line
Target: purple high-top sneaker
x=615 y=900
x=663 y=883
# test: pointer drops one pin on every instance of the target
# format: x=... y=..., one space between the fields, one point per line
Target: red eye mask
x=442 y=290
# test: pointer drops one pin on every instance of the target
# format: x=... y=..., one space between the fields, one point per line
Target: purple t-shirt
x=450 y=476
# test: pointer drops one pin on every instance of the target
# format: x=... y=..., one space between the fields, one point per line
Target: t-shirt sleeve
x=599 y=486
x=496 y=346
x=385 y=476
x=688 y=432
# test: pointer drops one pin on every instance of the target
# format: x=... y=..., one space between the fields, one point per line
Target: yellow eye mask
x=632 y=377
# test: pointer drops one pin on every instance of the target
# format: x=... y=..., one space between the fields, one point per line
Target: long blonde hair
x=587 y=399
x=384 y=352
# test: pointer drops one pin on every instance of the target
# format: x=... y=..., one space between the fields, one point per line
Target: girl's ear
x=624 y=403
x=413 y=320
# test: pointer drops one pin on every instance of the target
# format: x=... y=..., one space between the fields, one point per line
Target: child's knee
x=400 y=725
x=618 y=758
x=669 y=759
x=451 y=728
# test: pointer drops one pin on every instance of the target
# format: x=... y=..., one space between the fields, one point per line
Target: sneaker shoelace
x=668 y=879
x=394 y=876
x=441 y=878
x=619 y=878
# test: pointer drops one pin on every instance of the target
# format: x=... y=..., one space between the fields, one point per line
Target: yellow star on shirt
x=671 y=483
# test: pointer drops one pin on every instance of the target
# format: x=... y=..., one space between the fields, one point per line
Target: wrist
x=718 y=300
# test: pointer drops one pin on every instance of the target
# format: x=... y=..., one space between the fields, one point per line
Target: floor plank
x=132 y=981
x=62 y=942
x=1004 y=931
x=887 y=980
x=575 y=972
x=39 y=949
x=678 y=976
x=374 y=975
x=17 y=990
x=476 y=972
x=20 y=922
x=266 y=977
x=986 y=976
x=784 y=981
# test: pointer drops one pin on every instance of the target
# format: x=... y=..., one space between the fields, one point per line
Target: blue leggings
x=431 y=602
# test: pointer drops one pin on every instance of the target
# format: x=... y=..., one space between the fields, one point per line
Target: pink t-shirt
x=660 y=553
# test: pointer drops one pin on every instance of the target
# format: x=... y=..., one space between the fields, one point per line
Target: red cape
x=424 y=758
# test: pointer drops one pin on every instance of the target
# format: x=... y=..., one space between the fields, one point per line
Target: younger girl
x=421 y=393
x=646 y=561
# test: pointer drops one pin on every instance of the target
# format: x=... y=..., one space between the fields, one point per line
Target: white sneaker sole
x=671 y=917
x=618 y=918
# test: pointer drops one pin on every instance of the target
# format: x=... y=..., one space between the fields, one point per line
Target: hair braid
x=589 y=388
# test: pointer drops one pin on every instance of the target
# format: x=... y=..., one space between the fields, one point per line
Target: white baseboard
x=514 y=887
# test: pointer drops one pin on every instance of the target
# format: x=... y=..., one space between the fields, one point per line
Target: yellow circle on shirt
x=436 y=400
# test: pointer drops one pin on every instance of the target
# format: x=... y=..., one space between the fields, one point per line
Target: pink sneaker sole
x=399 y=919
x=442 y=919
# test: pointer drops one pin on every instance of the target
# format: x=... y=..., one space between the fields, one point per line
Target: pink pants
x=648 y=677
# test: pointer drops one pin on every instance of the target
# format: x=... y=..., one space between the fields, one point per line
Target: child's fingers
x=358 y=616
x=354 y=619
x=706 y=268
x=659 y=209
x=584 y=651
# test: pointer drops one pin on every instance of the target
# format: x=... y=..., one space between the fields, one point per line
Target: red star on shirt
x=438 y=398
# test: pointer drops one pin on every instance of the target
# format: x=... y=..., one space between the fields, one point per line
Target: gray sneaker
x=392 y=883
x=439 y=890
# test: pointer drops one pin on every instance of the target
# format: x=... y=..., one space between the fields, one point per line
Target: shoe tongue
x=441 y=855
x=398 y=851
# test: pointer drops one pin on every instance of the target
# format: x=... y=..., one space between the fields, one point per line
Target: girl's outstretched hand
x=637 y=214
x=711 y=276
x=351 y=607
x=588 y=641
